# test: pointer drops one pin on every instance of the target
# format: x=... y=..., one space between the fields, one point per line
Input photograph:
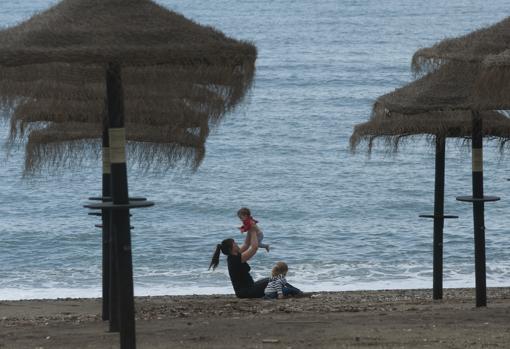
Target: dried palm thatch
x=139 y=111
x=69 y=144
x=392 y=128
x=176 y=74
x=53 y=144
x=494 y=80
x=438 y=104
x=452 y=87
x=129 y=32
x=472 y=47
x=145 y=123
x=500 y=60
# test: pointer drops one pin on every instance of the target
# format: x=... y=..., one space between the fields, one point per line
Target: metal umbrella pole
x=439 y=217
x=478 y=199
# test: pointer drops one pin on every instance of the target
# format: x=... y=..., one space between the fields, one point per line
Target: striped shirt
x=275 y=285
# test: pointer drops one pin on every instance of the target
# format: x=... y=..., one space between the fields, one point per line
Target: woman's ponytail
x=215 y=258
x=224 y=247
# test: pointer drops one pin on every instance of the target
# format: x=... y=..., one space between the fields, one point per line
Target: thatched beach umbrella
x=442 y=94
x=155 y=142
x=472 y=47
x=153 y=97
x=97 y=50
x=392 y=128
x=439 y=104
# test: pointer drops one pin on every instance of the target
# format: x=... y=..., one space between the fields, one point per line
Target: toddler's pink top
x=247 y=224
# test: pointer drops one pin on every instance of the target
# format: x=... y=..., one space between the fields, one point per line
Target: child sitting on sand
x=278 y=287
x=250 y=225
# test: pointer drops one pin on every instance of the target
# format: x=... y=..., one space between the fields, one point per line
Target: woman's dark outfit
x=243 y=284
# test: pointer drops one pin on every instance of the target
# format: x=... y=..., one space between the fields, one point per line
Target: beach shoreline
x=349 y=319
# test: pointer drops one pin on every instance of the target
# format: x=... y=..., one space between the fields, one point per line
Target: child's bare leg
x=260 y=237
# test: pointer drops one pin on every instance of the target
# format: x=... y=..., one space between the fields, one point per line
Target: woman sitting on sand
x=238 y=269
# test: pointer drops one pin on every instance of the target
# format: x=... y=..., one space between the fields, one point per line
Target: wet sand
x=357 y=319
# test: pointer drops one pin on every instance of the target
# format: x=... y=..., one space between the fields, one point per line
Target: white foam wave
x=162 y=290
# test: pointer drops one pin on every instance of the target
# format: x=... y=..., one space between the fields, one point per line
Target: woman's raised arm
x=246 y=243
x=254 y=246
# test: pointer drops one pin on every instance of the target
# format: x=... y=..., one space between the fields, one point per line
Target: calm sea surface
x=341 y=221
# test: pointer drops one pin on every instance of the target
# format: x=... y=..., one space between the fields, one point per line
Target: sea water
x=341 y=221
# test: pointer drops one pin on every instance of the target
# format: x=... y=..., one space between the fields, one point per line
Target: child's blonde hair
x=280 y=268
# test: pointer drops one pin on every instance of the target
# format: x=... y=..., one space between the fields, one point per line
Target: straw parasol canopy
x=155 y=138
x=130 y=32
x=394 y=127
x=472 y=47
x=439 y=104
x=449 y=88
x=67 y=144
x=452 y=87
x=177 y=75
x=446 y=100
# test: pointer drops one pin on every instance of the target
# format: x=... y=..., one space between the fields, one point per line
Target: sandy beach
x=355 y=319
